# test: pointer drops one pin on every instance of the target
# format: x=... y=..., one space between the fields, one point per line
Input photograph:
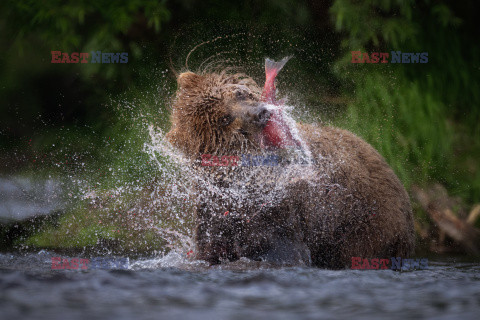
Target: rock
x=26 y=204
x=439 y=206
x=24 y=198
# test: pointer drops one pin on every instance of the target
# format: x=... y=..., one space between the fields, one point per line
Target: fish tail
x=273 y=67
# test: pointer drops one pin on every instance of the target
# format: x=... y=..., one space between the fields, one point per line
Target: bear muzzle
x=258 y=115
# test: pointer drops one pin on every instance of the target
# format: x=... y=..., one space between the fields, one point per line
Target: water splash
x=250 y=188
x=161 y=202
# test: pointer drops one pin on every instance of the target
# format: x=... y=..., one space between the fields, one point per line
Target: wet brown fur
x=352 y=205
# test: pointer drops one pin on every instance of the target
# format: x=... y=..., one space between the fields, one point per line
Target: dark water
x=173 y=288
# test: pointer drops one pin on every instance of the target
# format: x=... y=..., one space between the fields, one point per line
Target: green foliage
x=374 y=21
x=86 y=24
x=419 y=117
x=81 y=26
x=408 y=129
x=80 y=229
x=41 y=98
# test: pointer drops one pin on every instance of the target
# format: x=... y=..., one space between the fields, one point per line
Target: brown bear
x=343 y=201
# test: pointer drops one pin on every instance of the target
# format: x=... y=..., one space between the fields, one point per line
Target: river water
x=172 y=287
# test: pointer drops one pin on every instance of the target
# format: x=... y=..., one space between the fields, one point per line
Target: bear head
x=217 y=113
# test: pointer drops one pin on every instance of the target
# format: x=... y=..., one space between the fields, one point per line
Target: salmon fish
x=276 y=133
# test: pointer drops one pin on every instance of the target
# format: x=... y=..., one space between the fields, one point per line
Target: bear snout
x=259 y=115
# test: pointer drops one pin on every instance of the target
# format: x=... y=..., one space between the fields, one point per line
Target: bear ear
x=188 y=79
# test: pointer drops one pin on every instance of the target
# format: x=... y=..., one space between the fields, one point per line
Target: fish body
x=277 y=133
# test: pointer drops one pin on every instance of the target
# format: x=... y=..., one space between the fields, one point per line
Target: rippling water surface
x=175 y=288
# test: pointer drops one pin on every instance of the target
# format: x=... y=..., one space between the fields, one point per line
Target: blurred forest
x=423 y=118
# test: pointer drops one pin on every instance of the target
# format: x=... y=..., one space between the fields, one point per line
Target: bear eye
x=226 y=120
x=239 y=94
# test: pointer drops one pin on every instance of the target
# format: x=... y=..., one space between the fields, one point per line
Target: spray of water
x=162 y=203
